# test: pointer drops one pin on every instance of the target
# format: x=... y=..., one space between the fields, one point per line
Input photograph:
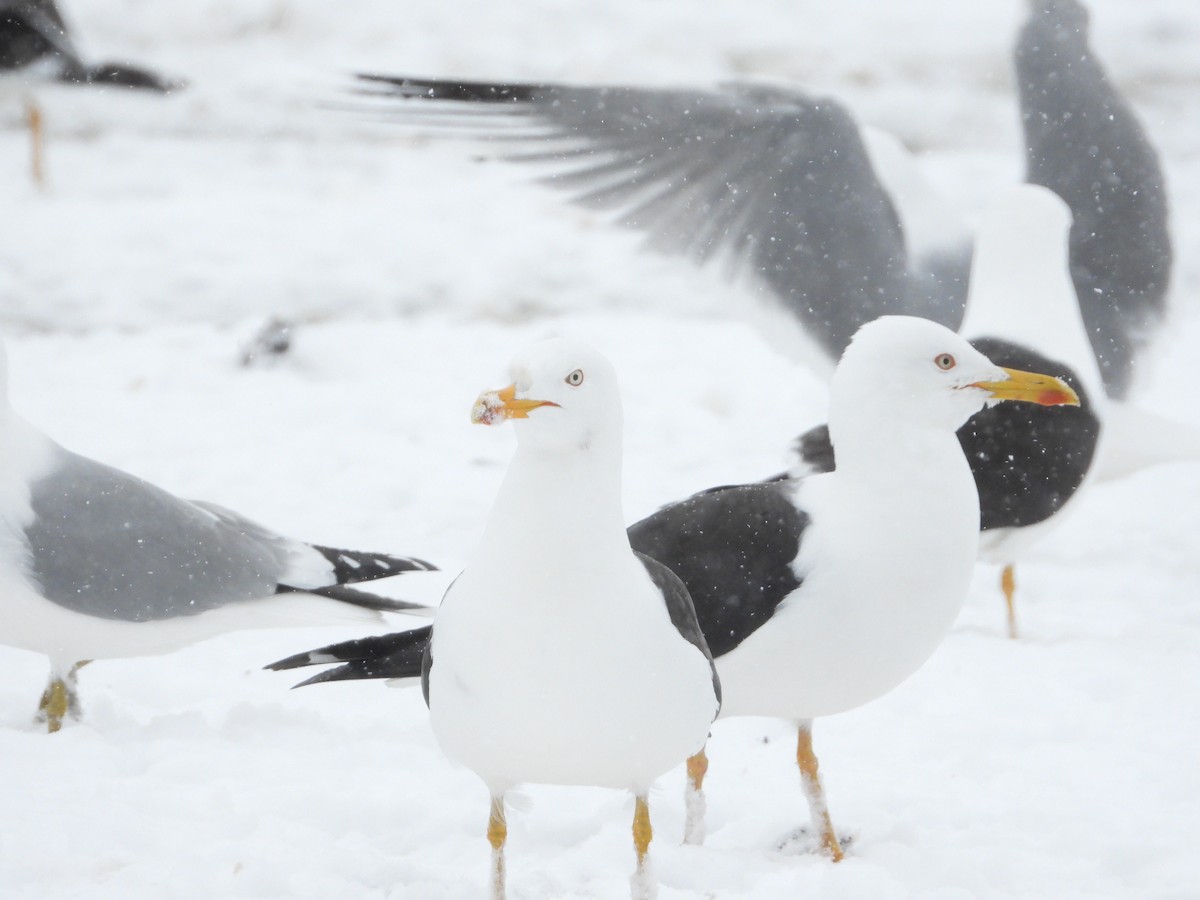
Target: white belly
x=860 y=623
x=590 y=692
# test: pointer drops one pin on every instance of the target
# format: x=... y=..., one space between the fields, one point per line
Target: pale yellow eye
x=575 y=379
x=944 y=361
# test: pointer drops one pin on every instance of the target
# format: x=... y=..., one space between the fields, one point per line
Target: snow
x=1060 y=766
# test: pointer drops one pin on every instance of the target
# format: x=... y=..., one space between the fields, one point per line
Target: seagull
x=1085 y=143
x=819 y=594
x=1030 y=463
x=559 y=655
x=35 y=45
x=98 y=564
x=827 y=216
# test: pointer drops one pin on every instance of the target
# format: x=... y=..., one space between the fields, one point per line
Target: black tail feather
x=396 y=655
x=364 y=599
x=353 y=566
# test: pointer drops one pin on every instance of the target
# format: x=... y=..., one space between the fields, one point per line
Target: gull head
x=563 y=397
x=914 y=370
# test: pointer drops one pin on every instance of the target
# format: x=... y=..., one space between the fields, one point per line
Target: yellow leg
x=693 y=799
x=811 y=780
x=33 y=115
x=497 y=834
x=643 y=886
x=60 y=700
x=1008 y=584
x=54 y=704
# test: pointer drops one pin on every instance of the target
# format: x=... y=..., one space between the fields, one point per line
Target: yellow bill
x=1045 y=390
x=497 y=406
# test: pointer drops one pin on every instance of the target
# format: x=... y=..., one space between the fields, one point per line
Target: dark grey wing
x=1028 y=460
x=31 y=30
x=1084 y=142
x=733 y=549
x=397 y=655
x=354 y=566
x=775 y=182
x=683 y=614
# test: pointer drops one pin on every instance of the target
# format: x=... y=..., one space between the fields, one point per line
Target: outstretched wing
x=772 y=181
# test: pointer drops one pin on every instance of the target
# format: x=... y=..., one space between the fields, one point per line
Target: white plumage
x=556 y=657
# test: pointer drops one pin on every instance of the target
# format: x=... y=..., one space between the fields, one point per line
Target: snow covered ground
x=1059 y=766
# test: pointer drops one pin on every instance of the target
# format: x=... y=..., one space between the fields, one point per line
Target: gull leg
x=74 y=707
x=811 y=781
x=642 y=885
x=33 y=115
x=497 y=834
x=693 y=799
x=60 y=700
x=1008 y=584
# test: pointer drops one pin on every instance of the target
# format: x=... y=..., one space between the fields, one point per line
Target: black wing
x=1028 y=460
x=733 y=549
x=682 y=612
x=353 y=566
x=1084 y=142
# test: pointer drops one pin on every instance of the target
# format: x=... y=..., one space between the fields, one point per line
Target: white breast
x=560 y=682
x=885 y=570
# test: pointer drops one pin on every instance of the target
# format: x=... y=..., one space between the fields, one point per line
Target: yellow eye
x=575 y=379
x=944 y=361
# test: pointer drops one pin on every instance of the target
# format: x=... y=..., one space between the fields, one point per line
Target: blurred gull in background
x=35 y=46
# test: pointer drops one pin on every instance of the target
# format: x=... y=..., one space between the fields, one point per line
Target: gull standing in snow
x=1031 y=463
x=560 y=656
x=820 y=594
x=817 y=595
x=35 y=45
x=98 y=564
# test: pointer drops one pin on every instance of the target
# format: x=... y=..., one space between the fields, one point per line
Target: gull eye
x=944 y=361
x=575 y=379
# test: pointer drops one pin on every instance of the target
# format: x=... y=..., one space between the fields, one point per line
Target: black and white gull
x=35 y=45
x=829 y=219
x=98 y=564
x=819 y=594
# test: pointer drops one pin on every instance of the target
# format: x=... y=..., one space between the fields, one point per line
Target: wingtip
x=298 y=660
x=329 y=675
